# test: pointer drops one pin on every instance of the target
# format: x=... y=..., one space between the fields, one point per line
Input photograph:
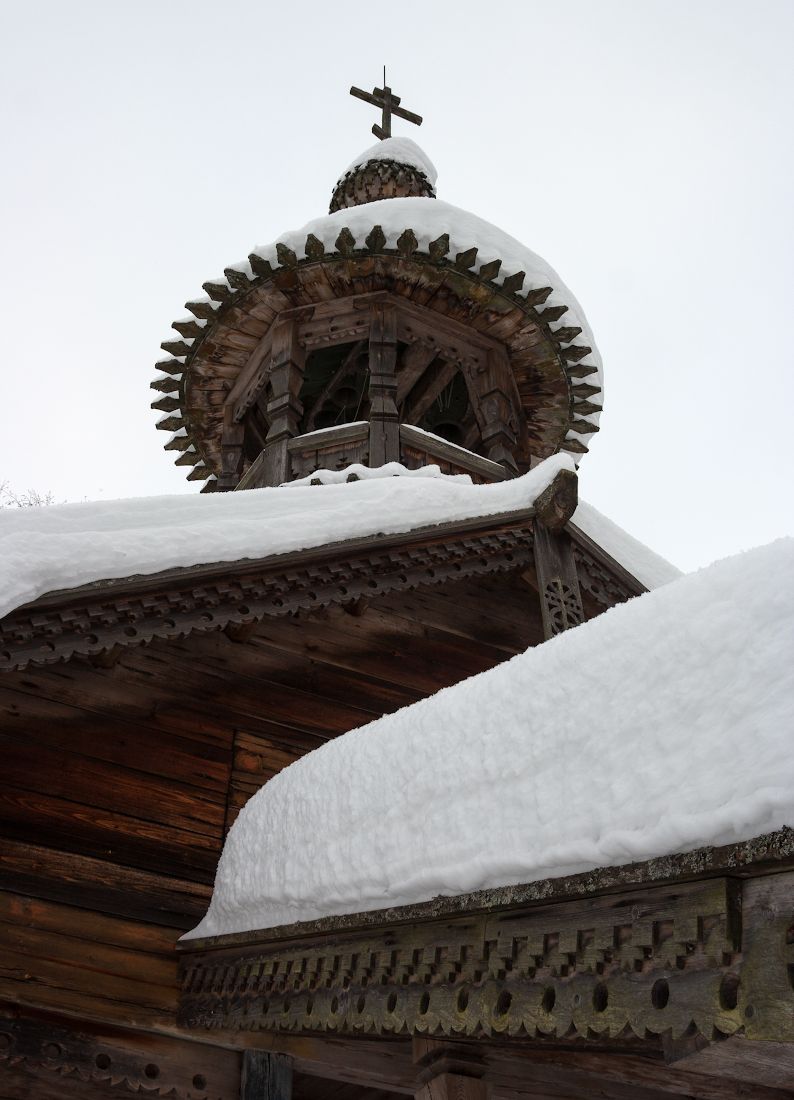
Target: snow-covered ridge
x=658 y=727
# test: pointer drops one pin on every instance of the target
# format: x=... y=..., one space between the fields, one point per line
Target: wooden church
x=143 y=705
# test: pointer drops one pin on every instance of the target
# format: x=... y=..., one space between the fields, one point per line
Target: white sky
x=644 y=149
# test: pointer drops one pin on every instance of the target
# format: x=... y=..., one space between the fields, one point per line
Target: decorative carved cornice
x=667 y=960
x=94 y=619
x=151 y=1065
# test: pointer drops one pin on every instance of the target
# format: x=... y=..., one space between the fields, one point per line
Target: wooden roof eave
x=690 y=944
x=229 y=296
x=92 y=619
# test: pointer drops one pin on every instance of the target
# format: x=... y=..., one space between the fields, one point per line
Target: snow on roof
x=429 y=219
x=62 y=546
x=656 y=728
x=66 y=545
x=402 y=151
x=646 y=565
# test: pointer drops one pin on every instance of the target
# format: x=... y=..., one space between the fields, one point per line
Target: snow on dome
x=429 y=219
x=402 y=151
x=658 y=727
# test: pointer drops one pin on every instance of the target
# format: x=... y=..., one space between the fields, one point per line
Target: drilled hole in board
x=424 y=1004
x=600 y=997
x=503 y=1003
x=199 y=1082
x=391 y=1004
x=151 y=1070
x=335 y=1004
x=463 y=1000
x=660 y=994
x=102 y=1061
x=729 y=992
x=549 y=999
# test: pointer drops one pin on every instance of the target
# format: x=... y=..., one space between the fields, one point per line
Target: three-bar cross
x=389 y=105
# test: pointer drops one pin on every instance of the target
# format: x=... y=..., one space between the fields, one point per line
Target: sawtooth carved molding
x=150 y=1066
x=666 y=960
x=100 y=617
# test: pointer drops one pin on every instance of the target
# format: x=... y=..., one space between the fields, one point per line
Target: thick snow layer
x=401 y=150
x=66 y=545
x=661 y=726
x=643 y=563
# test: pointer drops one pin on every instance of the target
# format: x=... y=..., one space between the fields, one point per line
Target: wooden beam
x=428 y=389
x=384 y=432
x=266 y=1076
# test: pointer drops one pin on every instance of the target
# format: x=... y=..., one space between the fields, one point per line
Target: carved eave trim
x=93 y=619
x=601 y=575
x=304 y=281
x=708 y=957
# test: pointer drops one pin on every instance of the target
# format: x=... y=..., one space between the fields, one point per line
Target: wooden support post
x=384 y=425
x=453 y=1086
x=448 y=1071
x=266 y=1076
x=284 y=408
x=558 y=583
x=231 y=451
x=498 y=415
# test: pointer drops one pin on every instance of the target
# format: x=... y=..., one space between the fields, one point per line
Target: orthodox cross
x=389 y=105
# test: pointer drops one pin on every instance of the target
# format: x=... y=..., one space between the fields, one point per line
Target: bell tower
x=395 y=329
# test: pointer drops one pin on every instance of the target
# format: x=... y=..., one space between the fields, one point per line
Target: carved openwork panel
x=664 y=960
x=564 y=607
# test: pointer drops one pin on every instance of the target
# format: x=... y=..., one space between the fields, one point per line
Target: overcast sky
x=644 y=149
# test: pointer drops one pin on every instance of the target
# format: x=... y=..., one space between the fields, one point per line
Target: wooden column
x=266 y=1076
x=498 y=414
x=558 y=583
x=284 y=408
x=231 y=451
x=453 y=1086
x=448 y=1071
x=384 y=426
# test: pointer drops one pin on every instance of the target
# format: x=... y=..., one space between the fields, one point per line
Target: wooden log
x=266 y=1076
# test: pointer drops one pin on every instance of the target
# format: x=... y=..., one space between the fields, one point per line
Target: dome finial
x=389 y=105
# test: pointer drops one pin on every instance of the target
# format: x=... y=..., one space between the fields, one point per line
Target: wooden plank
x=39 y=768
x=101 y=885
x=39 y=819
x=266 y=1076
x=101 y=735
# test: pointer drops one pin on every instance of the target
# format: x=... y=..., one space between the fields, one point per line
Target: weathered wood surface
x=42 y=1057
x=97 y=967
x=563 y=1071
x=266 y=1076
x=527 y=414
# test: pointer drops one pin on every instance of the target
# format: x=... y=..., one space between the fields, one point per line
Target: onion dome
x=393 y=168
x=484 y=348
